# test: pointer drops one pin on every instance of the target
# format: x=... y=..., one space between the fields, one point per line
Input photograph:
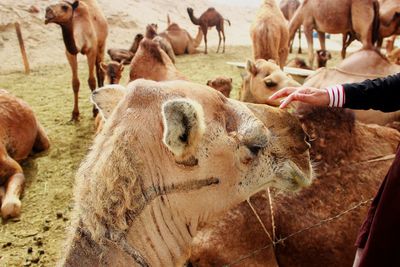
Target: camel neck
x=68 y=37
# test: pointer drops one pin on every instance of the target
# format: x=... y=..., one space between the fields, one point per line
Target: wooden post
x=22 y=47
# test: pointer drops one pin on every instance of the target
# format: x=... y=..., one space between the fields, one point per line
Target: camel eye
x=64 y=8
x=254 y=149
x=270 y=83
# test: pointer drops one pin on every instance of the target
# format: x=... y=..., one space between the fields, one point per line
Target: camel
x=392 y=28
x=389 y=13
x=350 y=165
x=350 y=16
x=263 y=78
x=20 y=134
x=151 y=33
x=210 y=18
x=322 y=58
x=394 y=56
x=112 y=71
x=288 y=8
x=152 y=63
x=180 y=39
x=269 y=34
x=140 y=203
x=362 y=65
x=125 y=56
x=298 y=63
x=221 y=84
x=84 y=29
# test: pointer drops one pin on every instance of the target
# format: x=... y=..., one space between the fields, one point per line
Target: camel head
x=222 y=84
x=60 y=13
x=323 y=56
x=263 y=78
x=113 y=71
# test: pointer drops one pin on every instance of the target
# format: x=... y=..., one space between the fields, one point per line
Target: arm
x=380 y=94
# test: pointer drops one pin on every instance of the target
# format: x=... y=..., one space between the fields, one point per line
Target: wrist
x=337 y=96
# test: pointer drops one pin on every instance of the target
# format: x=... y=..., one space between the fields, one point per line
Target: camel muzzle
x=49 y=15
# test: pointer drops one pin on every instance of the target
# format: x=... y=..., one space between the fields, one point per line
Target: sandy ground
x=125 y=17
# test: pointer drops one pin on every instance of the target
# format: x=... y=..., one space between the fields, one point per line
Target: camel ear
x=251 y=67
x=184 y=125
x=75 y=5
x=103 y=67
x=107 y=98
x=208 y=82
x=231 y=80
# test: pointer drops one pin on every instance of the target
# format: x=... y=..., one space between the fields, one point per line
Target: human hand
x=309 y=95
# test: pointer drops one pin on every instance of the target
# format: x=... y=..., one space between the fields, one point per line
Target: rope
x=260 y=221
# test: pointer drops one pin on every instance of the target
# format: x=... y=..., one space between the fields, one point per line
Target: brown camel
x=139 y=203
x=350 y=163
x=20 y=133
x=262 y=79
x=180 y=39
x=322 y=58
x=152 y=63
x=343 y=16
x=125 y=56
x=387 y=30
x=298 y=63
x=84 y=29
x=112 y=71
x=364 y=64
x=209 y=19
x=288 y=8
x=269 y=34
x=151 y=33
x=221 y=84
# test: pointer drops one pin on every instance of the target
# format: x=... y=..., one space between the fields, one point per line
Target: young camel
x=269 y=34
x=169 y=160
x=84 y=29
x=151 y=33
x=221 y=84
x=125 y=56
x=350 y=16
x=112 y=71
x=152 y=63
x=208 y=19
x=20 y=133
x=180 y=39
x=288 y=8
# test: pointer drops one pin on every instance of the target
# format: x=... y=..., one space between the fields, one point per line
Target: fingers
x=294 y=97
x=282 y=93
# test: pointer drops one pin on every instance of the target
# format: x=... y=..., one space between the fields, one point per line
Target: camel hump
x=211 y=9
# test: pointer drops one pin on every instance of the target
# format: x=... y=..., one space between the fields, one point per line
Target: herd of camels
x=179 y=174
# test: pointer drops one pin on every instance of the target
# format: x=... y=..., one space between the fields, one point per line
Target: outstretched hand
x=309 y=95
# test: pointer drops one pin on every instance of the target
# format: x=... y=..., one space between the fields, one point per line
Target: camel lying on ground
x=200 y=154
x=269 y=34
x=84 y=29
x=322 y=58
x=125 y=56
x=350 y=16
x=210 y=18
x=263 y=78
x=288 y=8
x=362 y=65
x=180 y=39
x=151 y=33
x=318 y=226
x=221 y=84
x=20 y=133
x=152 y=63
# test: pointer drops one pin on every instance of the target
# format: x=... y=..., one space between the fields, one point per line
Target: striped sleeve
x=337 y=96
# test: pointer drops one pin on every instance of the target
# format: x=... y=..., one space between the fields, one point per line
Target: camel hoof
x=11 y=208
x=75 y=116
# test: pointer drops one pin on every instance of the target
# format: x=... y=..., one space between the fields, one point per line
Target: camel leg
x=75 y=84
x=363 y=26
x=204 y=29
x=321 y=38
x=99 y=72
x=219 y=41
x=300 y=41
x=42 y=141
x=308 y=33
x=223 y=39
x=92 y=58
x=10 y=204
x=344 y=45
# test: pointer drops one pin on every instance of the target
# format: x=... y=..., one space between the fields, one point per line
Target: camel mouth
x=298 y=177
x=49 y=16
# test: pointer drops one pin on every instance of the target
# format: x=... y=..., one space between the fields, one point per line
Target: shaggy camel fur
x=20 y=133
x=263 y=78
x=342 y=16
x=349 y=171
x=180 y=39
x=125 y=56
x=152 y=63
x=221 y=84
x=84 y=30
x=151 y=33
x=269 y=34
x=364 y=64
x=140 y=203
x=209 y=19
x=288 y=8
x=112 y=71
